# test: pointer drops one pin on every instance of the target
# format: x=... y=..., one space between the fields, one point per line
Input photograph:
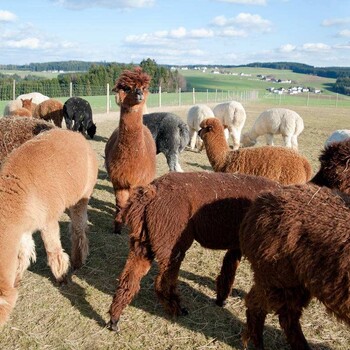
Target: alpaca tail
x=184 y=136
x=134 y=213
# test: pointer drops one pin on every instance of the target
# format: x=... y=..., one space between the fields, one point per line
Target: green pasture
x=24 y=73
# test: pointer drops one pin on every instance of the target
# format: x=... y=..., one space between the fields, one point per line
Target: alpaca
x=50 y=110
x=337 y=136
x=195 y=115
x=233 y=115
x=276 y=163
x=16 y=130
x=276 y=121
x=334 y=169
x=15 y=104
x=209 y=209
x=130 y=151
x=297 y=240
x=170 y=134
x=55 y=170
x=26 y=110
x=78 y=116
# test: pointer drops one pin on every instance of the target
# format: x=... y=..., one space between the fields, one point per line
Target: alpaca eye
x=127 y=89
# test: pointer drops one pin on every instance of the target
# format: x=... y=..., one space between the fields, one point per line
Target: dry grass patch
x=73 y=317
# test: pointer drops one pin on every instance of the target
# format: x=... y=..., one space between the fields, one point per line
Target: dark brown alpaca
x=334 y=169
x=297 y=240
x=165 y=218
x=130 y=151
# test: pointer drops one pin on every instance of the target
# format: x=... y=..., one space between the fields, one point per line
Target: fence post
x=179 y=96
x=160 y=97
x=70 y=89
x=14 y=89
x=336 y=101
x=107 y=98
x=216 y=95
x=193 y=96
x=207 y=95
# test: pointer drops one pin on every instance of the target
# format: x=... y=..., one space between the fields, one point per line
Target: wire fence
x=102 y=99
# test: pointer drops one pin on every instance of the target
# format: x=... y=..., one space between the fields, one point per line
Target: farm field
x=73 y=316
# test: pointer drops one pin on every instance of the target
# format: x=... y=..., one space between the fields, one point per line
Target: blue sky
x=176 y=32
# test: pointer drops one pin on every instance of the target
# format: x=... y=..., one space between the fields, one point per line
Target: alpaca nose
x=139 y=94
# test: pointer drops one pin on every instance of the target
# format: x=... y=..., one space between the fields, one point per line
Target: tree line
x=89 y=82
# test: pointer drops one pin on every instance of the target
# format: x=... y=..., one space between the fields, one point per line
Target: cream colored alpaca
x=39 y=180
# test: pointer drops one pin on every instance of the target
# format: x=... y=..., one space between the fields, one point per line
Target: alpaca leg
x=129 y=284
x=121 y=198
x=165 y=286
x=289 y=317
x=295 y=142
x=269 y=139
x=256 y=315
x=173 y=162
x=57 y=259
x=287 y=140
x=236 y=137
x=8 y=273
x=78 y=227
x=25 y=255
x=193 y=138
x=227 y=275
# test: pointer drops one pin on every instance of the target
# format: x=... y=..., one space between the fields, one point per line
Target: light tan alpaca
x=40 y=179
x=26 y=110
x=130 y=151
x=280 y=164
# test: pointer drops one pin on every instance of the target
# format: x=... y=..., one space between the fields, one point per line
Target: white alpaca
x=275 y=121
x=337 y=136
x=233 y=116
x=195 y=115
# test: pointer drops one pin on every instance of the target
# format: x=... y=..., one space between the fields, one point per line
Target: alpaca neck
x=252 y=134
x=130 y=122
x=217 y=149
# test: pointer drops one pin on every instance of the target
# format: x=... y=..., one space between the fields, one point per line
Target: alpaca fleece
x=232 y=114
x=276 y=163
x=297 y=240
x=209 y=209
x=276 y=121
x=16 y=130
x=50 y=110
x=130 y=151
x=55 y=170
x=77 y=114
x=334 y=169
x=171 y=135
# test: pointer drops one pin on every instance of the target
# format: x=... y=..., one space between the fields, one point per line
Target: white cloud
x=318 y=47
x=344 y=33
x=231 y=32
x=246 y=20
x=335 y=22
x=6 y=16
x=245 y=2
x=122 y=4
x=28 y=43
x=287 y=48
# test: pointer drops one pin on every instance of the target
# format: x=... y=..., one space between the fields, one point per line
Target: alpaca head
x=91 y=130
x=247 y=141
x=132 y=87
x=210 y=126
x=27 y=103
x=334 y=167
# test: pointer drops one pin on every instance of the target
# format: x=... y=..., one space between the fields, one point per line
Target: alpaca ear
x=225 y=126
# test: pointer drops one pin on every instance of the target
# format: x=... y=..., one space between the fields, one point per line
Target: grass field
x=73 y=317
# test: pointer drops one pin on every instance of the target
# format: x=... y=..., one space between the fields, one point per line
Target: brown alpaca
x=280 y=164
x=165 y=218
x=130 y=151
x=39 y=180
x=25 y=111
x=50 y=110
x=334 y=169
x=16 y=130
x=297 y=240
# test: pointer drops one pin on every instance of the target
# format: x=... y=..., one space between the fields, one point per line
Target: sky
x=176 y=32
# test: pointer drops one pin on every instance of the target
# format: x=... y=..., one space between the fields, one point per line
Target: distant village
x=293 y=89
